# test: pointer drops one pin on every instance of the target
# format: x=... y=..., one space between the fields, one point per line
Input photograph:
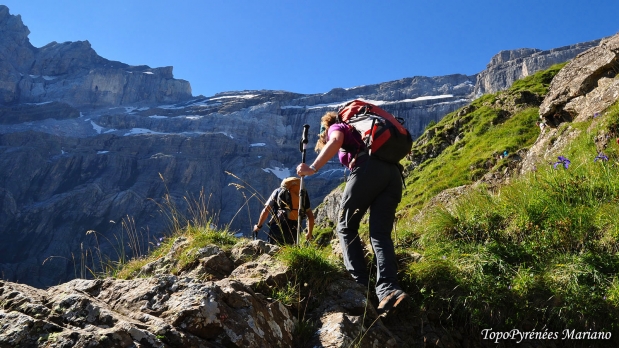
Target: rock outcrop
x=585 y=86
x=164 y=310
x=220 y=300
x=581 y=90
x=156 y=312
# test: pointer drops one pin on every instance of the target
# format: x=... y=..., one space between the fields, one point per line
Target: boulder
x=585 y=85
x=160 y=311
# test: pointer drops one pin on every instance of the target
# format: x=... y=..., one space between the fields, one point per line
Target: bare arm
x=264 y=214
x=336 y=139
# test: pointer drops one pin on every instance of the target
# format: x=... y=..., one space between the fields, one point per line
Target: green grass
x=196 y=236
x=202 y=236
x=485 y=136
x=287 y=294
x=543 y=249
x=323 y=235
x=313 y=268
x=539 y=82
x=483 y=133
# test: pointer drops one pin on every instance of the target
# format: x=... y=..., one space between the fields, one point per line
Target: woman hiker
x=372 y=184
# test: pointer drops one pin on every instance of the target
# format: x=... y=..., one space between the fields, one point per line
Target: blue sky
x=312 y=46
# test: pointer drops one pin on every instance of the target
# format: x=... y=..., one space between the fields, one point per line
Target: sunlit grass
x=483 y=138
x=541 y=249
x=311 y=266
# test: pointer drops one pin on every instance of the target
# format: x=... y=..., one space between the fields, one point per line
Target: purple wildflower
x=596 y=114
x=601 y=156
x=562 y=160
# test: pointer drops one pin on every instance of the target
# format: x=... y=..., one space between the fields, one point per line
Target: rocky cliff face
x=508 y=66
x=73 y=73
x=91 y=144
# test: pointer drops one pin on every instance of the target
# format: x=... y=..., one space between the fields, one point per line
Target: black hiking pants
x=374 y=185
x=283 y=233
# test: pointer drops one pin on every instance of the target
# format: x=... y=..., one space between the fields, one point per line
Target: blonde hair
x=326 y=121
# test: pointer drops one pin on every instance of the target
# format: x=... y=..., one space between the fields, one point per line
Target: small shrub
x=310 y=266
x=323 y=236
x=288 y=295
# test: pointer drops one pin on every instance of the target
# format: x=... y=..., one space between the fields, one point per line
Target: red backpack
x=384 y=135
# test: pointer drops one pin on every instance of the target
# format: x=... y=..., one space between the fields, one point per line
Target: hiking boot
x=396 y=301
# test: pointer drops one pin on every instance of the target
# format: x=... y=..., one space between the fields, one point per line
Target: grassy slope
x=541 y=252
x=488 y=129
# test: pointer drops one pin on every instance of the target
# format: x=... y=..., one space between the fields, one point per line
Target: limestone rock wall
x=73 y=73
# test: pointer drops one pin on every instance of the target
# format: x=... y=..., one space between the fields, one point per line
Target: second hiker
x=283 y=206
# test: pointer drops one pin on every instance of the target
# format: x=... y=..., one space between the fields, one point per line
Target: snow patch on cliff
x=281 y=173
x=246 y=96
x=375 y=102
x=96 y=127
x=138 y=131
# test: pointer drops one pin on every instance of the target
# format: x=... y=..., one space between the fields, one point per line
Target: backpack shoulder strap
x=357 y=137
x=284 y=200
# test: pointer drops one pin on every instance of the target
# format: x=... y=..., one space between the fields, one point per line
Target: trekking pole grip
x=304 y=141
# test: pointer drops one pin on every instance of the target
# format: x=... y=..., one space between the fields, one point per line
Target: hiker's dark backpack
x=383 y=134
x=288 y=200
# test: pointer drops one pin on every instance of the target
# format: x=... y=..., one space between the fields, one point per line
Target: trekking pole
x=302 y=148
